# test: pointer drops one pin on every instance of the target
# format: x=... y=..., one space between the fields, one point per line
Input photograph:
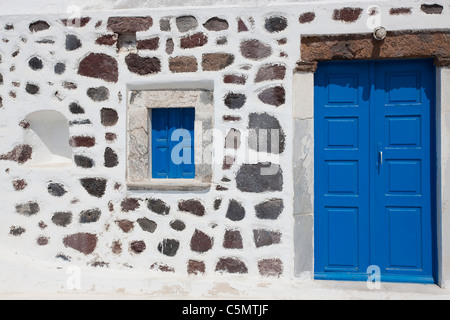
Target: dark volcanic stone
x=201 y=242
x=148 y=44
x=125 y=225
x=275 y=96
x=28 y=209
x=20 y=154
x=276 y=24
x=231 y=265
x=216 y=24
x=178 y=225
x=79 y=122
x=235 y=212
x=69 y=85
x=63 y=257
x=42 y=241
x=83 y=161
x=307 y=17
x=270 y=267
x=161 y=267
x=399 y=11
x=129 y=24
x=19 y=185
x=235 y=79
x=83 y=242
x=270 y=209
x=32 y=88
x=76 y=22
x=186 y=23
x=271 y=72
x=347 y=14
x=266 y=238
x=109 y=136
x=147 y=224
x=241 y=26
x=192 y=206
x=62 y=219
x=60 y=68
x=183 y=64
x=107 y=40
x=170 y=46
x=56 y=189
x=232 y=240
x=75 y=108
x=39 y=26
x=116 y=247
x=196 y=267
x=142 y=65
x=138 y=246
x=164 y=24
x=72 y=42
x=217 y=204
x=94 y=186
x=216 y=61
x=193 y=41
x=222 y=41
x=228 y=162
x=130 y=204
x=90 y=216
x=258 y=178
x=158 y=206
x=100 y=66
x=17 y=231
x=24 y=124
x=98 y=94
x=35 y=63
x=263 y=129
x=82 y=141
x=255 y=50
x=109 y=117
x=169 y=247
x=432 y=8
x=235 y=100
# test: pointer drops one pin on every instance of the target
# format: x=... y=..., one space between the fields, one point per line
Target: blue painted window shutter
x=173 y=143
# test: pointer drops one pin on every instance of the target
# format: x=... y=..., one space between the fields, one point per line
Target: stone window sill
x=170 y=185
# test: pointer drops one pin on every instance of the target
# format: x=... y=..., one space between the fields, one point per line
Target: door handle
x=380 y=157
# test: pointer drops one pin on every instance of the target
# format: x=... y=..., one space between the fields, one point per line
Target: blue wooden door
x=374 y=170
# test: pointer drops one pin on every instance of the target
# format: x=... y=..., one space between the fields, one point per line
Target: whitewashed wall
x=39 y=242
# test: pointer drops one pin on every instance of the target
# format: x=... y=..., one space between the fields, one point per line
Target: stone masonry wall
x=82 y=212
x=79 y=210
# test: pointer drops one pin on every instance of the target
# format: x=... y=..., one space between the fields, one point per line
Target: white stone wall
x=59 y=80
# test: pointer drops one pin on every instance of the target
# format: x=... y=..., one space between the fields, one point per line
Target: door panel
x=373 y=170
x=402 y=189
x=342 y=169
x=342 y=239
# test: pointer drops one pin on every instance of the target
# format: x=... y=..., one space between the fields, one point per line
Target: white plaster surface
x=61 y=6
x=55 y=281
x=28 y=270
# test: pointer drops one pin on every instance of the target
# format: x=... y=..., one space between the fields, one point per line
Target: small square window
x=170 y=139
x=173 y=143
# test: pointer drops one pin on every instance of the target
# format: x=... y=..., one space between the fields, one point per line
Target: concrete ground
x=23 y=278
x=239 y=289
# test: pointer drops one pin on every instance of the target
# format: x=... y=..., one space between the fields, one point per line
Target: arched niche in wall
x=48 y=134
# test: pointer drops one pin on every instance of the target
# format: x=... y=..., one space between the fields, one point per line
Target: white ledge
x=170 y=185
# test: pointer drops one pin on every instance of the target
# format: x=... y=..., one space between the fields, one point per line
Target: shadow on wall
x=48 y=134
